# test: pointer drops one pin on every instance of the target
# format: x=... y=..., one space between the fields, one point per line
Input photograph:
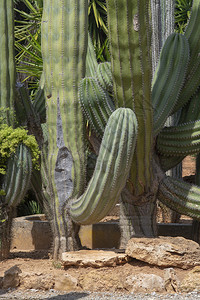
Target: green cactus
x=169 y=78
x=17 y=176
x=111 y=170
x=157 y=148
x=135 y=149
x=64 y=48
x=96 y=104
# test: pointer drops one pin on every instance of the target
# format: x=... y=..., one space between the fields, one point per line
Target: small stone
x=171 y=281
x=11 y=278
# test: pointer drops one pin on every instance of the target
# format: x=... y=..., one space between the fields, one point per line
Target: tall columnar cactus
x=157 y=148
x=64 y=47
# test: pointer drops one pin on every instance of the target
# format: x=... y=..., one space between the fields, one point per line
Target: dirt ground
x=99 y=279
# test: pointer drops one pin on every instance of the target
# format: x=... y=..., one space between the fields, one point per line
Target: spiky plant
x=175 y=85
x=135 y=150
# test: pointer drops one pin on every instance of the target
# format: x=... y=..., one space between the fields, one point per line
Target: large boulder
x=165 y=251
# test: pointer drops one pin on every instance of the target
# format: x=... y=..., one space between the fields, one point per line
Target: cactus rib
x=104 y=75
x=17 y=178
x=179 y=140
x=96 y=104
x=169 y=162
x=180 y=196
x=91 y=61
x=111 y=171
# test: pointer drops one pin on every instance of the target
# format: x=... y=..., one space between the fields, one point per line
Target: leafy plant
x=182 y=14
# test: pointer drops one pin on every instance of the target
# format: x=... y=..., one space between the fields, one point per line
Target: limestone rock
x=93 y=258
x=66 y=283
x=144 y=283
x=37 y=281
x=165 y=251
x=171 y=280
x=11 y=278
x=191 y=281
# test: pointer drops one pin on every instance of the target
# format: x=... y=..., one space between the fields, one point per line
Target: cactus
x=96 y=104
x=17 y=176
x=157 y=148
x=111 y=170
x=135 y=149
x=64 y=47
x=174 y=57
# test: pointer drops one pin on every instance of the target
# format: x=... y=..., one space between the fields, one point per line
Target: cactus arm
x=7 y=64
x=180 y=196
x=91 y=61
x=169 y=162
x=17 y=178
x=192 y=33
x=169 y=78
x=104 y=76
x=39 y=105
x=128 y=27
x=190 y=112
x=96 y=104
x=179 y=140
x=111 y=171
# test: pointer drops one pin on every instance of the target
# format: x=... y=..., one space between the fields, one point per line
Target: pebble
x=56 y=295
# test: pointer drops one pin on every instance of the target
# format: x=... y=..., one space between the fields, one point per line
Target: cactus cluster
x=126 y=110
x=175 y=85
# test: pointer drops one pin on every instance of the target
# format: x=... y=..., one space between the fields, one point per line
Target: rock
x=171 y=281
x=93 y=258
x=191 y=281
x=11 y=278
x=165 y=251
x=37 y=281
x=145 y=283
x=65 y=283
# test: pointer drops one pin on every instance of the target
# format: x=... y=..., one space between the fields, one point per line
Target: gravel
x=55 y=295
